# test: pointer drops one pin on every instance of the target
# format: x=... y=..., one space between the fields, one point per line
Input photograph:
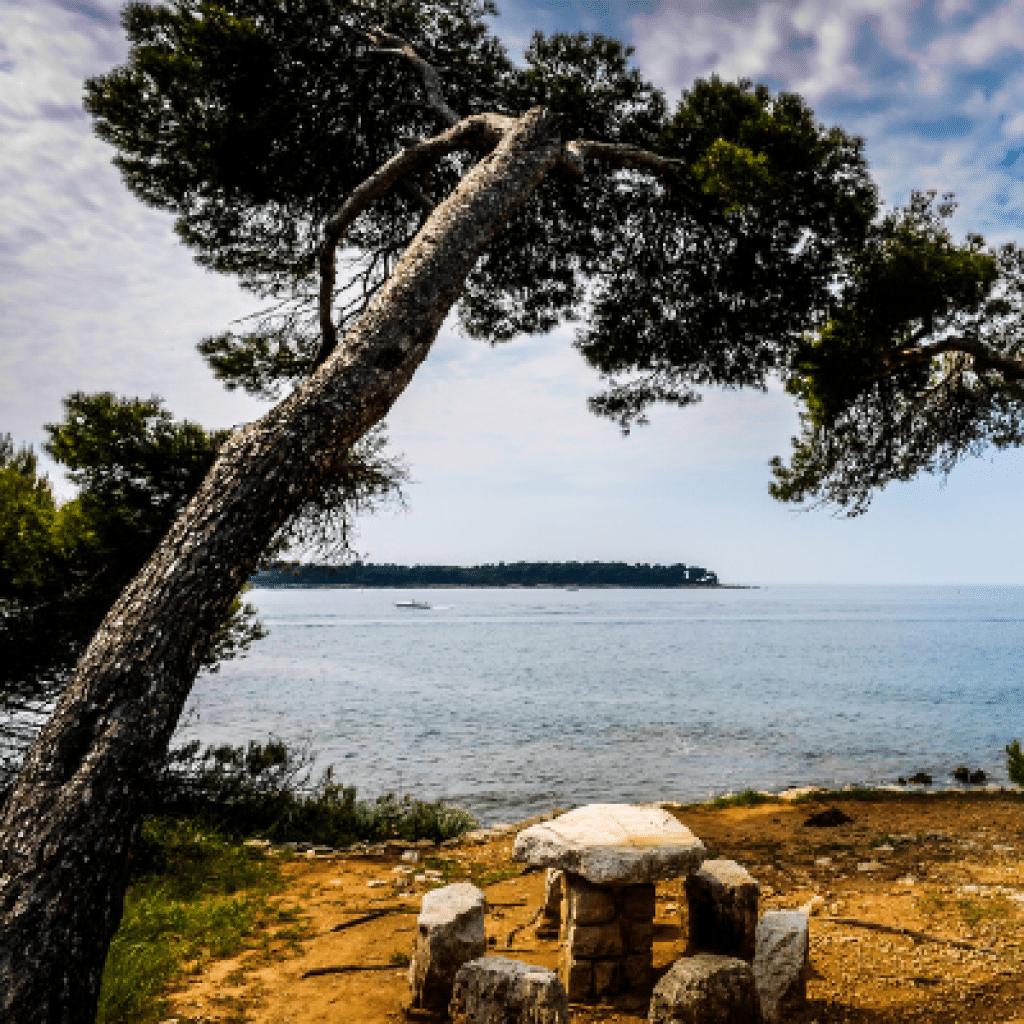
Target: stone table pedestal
x=610 y=856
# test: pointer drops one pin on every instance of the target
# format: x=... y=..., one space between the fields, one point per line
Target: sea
x=510 y=702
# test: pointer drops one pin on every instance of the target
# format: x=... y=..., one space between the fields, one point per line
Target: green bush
x=1015 y=762
x=264 y=790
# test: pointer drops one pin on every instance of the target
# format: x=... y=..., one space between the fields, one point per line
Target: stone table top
x=613 y=844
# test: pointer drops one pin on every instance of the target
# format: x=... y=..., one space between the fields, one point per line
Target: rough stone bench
x=610 y=855
x=494 y=990
x=706 y=989
x=449 y=932
x=722 y=902
x=782 y=964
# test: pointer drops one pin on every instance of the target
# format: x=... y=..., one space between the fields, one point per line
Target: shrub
x=264 y=789
x=1015 y=762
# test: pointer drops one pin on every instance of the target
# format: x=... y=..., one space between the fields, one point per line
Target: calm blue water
x=509 y=702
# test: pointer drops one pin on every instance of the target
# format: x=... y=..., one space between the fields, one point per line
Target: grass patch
x=400 y=958
x=449 y=867
x=748 y=798
x=973 y=911
x=481 y=874
x=194 y=897
x=885 y=839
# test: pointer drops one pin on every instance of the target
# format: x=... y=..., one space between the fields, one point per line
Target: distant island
x=504 y=574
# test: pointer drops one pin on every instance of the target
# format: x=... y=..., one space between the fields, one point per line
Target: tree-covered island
x=504 y=574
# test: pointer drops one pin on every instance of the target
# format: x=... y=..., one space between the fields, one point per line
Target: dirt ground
x=950 y=867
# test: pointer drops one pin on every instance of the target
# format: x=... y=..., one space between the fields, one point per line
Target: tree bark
x=65 y=832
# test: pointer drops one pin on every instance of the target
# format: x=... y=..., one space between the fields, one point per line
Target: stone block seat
x=495 y=990
x=706 y=989
x=610 y=856
x=449 y=932
x=722 y=902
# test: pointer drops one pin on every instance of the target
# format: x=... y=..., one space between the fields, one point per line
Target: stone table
x=609 y=856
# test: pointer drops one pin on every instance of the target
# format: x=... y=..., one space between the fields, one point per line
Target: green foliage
x=534 y=273
x=731 y=264
x=252 y=121
x=28 y=516
x=135 y=468
x=1015 y=762
x=194 y=896
x=586 y=80
x=61 y=568
x=264 y=789
x=879 y=405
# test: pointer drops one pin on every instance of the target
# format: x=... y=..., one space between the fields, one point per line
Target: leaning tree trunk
x=66 y=829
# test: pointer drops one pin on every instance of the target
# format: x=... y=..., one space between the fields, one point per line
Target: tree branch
x=386 y=44
x=475 y=132
x=620 y=154
x=984 y=358
x=617 y=154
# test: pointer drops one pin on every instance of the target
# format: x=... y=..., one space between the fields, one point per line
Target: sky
x=96 y=294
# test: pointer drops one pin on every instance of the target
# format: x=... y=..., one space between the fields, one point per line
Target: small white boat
x=413 y=604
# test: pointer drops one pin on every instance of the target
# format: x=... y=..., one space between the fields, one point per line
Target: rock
x=588 y=903
x=638 y=902
x=450 y=932
x=705 y=989
x=976 y=778
x=493 y=990
x=607 y=977
x=549 y=922
x=637 y=970
x=920 y=779
x=722 y=900
x=595 y=941
x=782 y=964
x=637 y=936
x=618 y=844
x=961 y=773
x=411 y=856
x=578 y=978
x=829 y=818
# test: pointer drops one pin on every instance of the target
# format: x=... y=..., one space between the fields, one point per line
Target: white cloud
x=96 y=292
x=936 y=99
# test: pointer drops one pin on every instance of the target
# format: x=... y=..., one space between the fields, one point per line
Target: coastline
x=257 y=585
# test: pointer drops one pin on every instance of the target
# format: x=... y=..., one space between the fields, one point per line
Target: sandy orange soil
x=950 y=868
